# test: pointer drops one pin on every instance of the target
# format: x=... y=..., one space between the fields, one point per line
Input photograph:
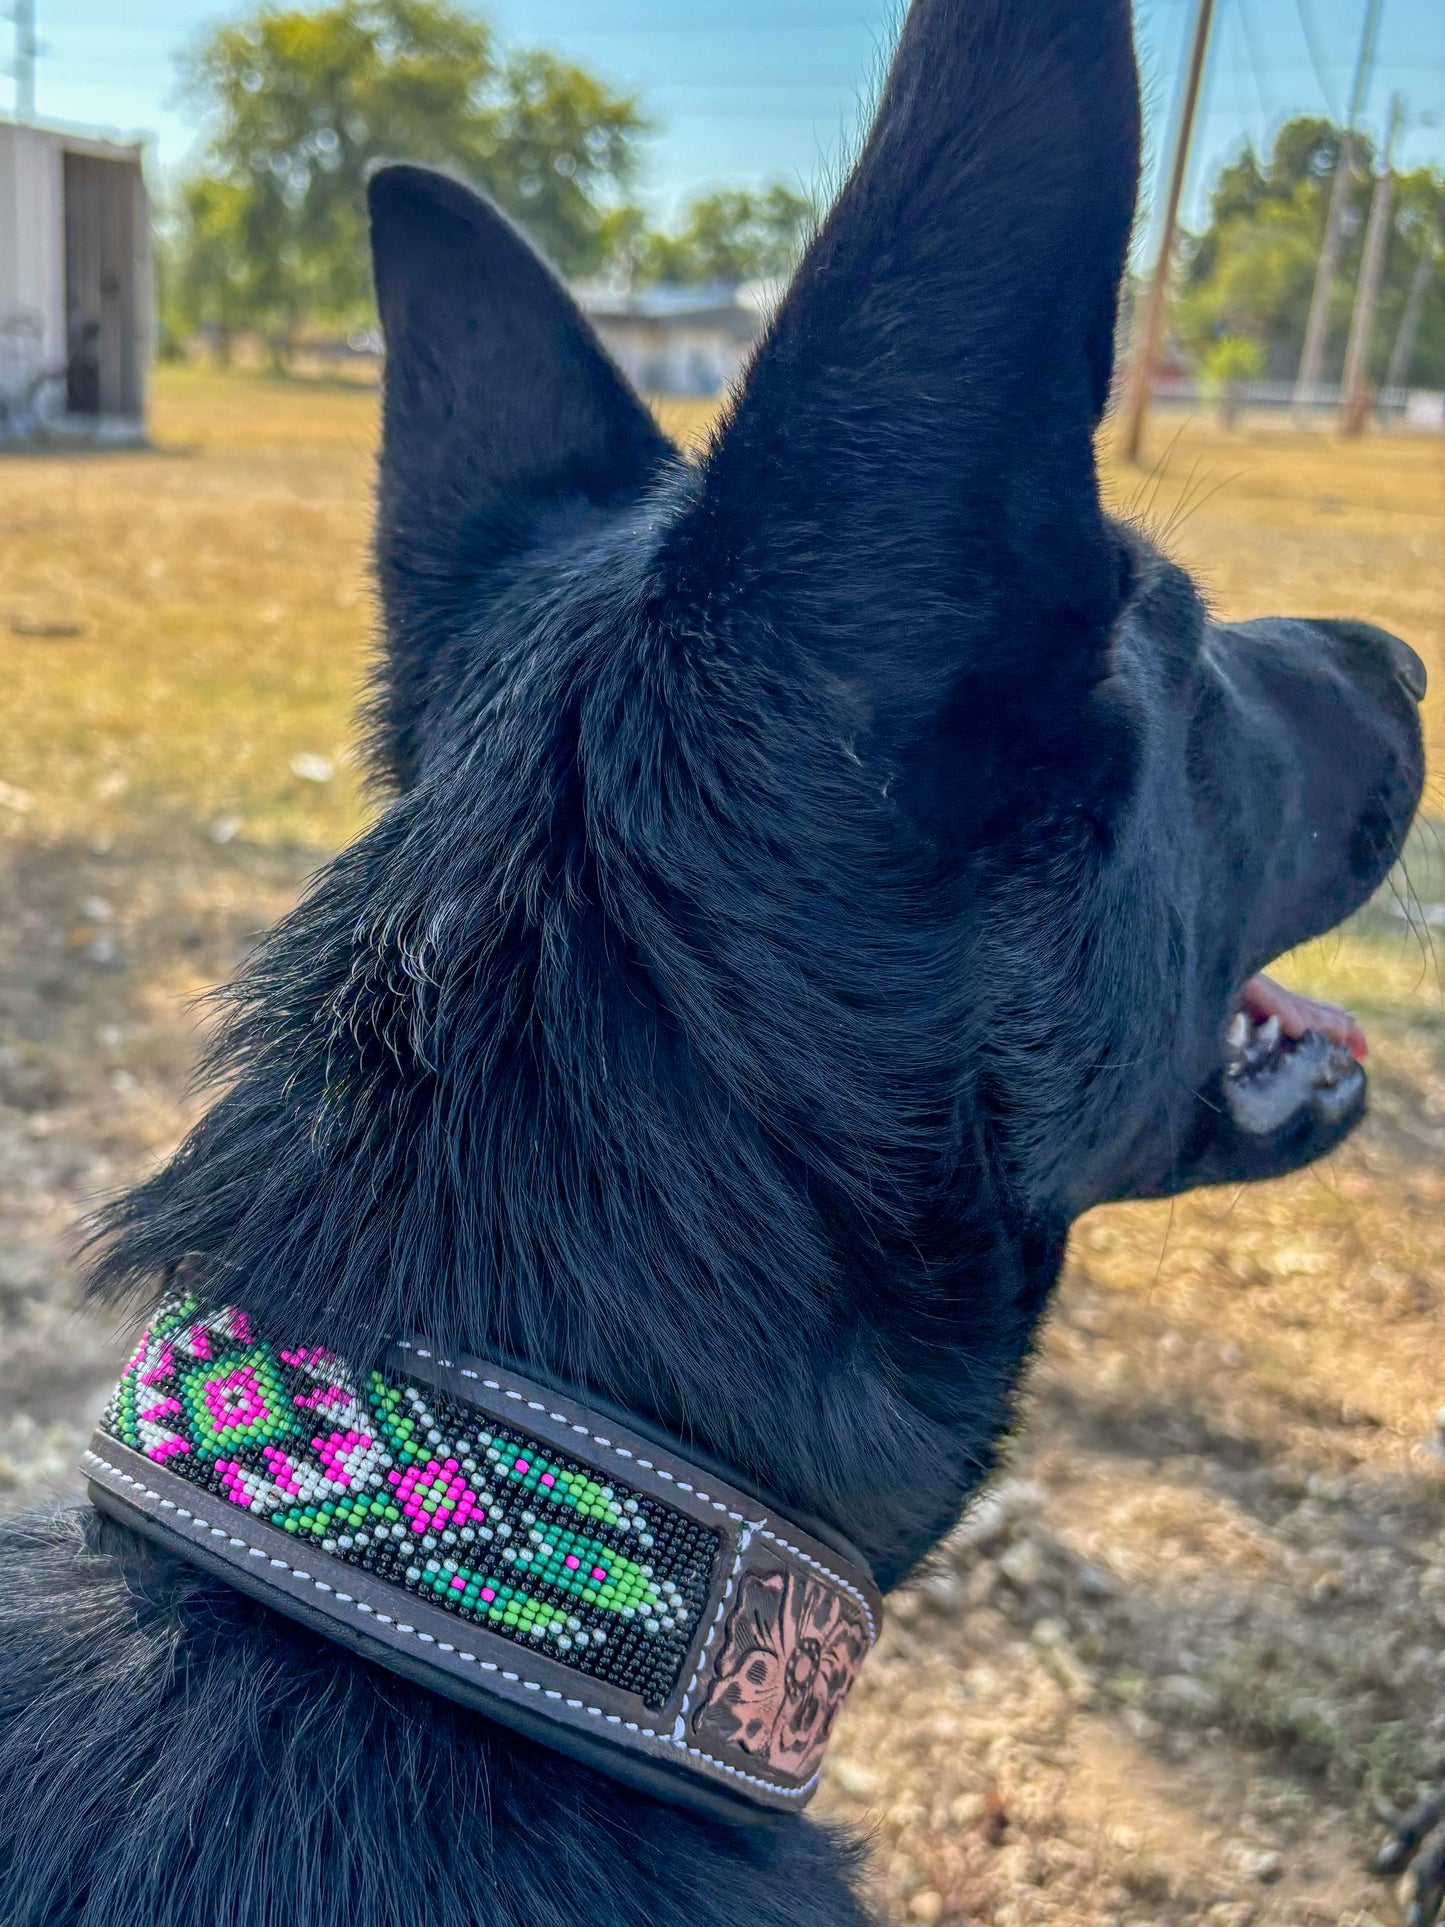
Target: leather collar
x=502 y=1543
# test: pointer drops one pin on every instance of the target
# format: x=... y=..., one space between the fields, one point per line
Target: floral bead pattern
x=399 y=1478
x=792 y=1650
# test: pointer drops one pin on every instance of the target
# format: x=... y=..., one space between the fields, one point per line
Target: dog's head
x=886 y=623
x=816 y=872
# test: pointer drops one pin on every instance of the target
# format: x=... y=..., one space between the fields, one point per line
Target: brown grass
x=1158 y=1680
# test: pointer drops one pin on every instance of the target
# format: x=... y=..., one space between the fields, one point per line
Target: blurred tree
x=1249 y=274
x=1410 y=322
x=556 y=147
x=208 y=274
x=1226 y=365
x=729 y=237
x=301 y=103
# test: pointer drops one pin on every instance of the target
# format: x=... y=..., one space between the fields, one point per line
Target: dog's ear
x=906 y=484
x=499 y=404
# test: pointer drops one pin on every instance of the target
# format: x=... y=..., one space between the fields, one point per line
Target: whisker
x=1155 y=477
x=1169 y=1222
x=1183 y=514
x=1419 y=925
x=1191 y=482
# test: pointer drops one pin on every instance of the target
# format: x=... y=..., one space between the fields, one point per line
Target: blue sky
x=754 y=90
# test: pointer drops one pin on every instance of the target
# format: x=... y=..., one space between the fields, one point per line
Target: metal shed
x=75 y=282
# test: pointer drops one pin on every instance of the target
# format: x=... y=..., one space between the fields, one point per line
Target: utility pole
x=1355 y=393
x=1312 y=359
x=1148 y=330
x=26 y=50
x=1403 y=352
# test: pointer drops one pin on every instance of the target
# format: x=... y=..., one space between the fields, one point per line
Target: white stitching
x=718 y=1505
x=619 y=1451
x=717 y=1619
x=837 y=1580
x=644 y=1732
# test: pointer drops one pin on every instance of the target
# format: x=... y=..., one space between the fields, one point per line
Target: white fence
x=1420 y=407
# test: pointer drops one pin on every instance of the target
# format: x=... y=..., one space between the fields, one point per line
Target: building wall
x=672 y=357
x=32 y=248
x=32 y=253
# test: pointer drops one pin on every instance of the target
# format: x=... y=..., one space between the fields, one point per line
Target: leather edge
x=350 y=1605
x=664 y=1474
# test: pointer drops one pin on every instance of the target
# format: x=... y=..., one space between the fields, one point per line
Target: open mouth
x=1289 y=1059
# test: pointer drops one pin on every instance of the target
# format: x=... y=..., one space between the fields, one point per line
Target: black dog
x=813 y=877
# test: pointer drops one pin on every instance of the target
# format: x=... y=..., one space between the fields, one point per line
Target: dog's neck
x=623 y=1119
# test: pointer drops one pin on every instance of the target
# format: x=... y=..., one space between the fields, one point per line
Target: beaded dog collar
x=500 y=1544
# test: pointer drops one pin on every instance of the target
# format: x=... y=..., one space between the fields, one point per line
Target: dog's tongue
x=1264 y=998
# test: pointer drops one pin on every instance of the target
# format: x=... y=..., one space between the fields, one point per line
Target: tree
x=1410 y=320
x=301 y=104
x=206 y=273
x=730 y=237
x=557 y=144
x=1248 y=275
x=1227 y=364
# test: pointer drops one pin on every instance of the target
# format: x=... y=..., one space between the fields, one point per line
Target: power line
x=1365 y=65
x=1312 y=358
x=1246 y=22
x=1310 y=30
x=1424 y=274
x=1149 y=329
x=1355 y=400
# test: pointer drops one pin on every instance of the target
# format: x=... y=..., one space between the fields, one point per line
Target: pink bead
x=163 y=1367
x=235 y=1399
x=572 y=1562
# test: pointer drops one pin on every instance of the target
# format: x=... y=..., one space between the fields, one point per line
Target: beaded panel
x=429 y=1493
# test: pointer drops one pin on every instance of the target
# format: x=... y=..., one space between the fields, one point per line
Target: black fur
x=812 y=878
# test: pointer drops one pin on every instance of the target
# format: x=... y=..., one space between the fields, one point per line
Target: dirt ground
x=1168 y=1663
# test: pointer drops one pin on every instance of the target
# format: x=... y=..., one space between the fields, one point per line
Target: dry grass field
x=1167 y=1665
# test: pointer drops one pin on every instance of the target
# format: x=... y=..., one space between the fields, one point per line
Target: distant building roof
x=736 y=310
x=70 y=134
x=679 y=341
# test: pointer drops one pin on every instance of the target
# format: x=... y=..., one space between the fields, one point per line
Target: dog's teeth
x=1237 y=1036
x=1268 y=1034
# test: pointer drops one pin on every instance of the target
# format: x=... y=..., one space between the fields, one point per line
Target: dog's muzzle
x=499 y=1544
